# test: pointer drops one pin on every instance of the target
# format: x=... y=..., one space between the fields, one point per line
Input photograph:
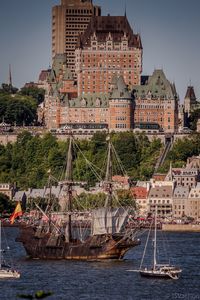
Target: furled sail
x=108 y=220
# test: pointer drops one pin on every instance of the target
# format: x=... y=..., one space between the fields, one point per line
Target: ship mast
x=69 y=183
x=108 y=177
x=155 y=241
x=0 y=244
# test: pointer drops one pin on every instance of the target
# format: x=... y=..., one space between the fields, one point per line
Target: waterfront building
x=193 y=204
x=180 y=201
x=107 y=47
x=155 y=104
x=69 y=20
x=193 y=162
x=161 y=195
x=186 y=176
x=140 y=194
x=7 y=189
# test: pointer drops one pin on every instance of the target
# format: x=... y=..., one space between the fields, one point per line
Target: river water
x=109 y=280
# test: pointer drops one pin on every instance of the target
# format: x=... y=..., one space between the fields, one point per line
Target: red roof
x=139 y=192
x=120 y=179
x=159 y=177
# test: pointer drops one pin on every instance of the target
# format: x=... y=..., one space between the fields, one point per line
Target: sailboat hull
x=44 y=246
x=159 y=274
x=8 y=273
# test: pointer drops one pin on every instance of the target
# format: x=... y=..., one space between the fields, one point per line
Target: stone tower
x=120 y=106
x=189 y=100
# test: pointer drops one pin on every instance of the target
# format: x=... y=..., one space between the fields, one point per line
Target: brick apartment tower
x=69 y=20
x=108 y=47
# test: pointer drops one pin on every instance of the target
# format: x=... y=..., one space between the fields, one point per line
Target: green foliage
x=27 y=161
x=86 y=201
x=193 y=118
x=16 y=109
x=34 y=92
x=5 y=204
x=182 y=149
x=125 y=198
x=52 y=203
x=8 y=89
x=37 y=295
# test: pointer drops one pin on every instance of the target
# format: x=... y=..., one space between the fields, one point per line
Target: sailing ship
x=107 y=237
x=6 y=271
x=158 y=270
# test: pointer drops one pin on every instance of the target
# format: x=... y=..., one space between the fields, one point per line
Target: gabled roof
x=67 y=74
x=57 y=66
x=120 y=90
x=44 y=74
x=190 y=93
x=89 y=100
x=117 y=26
x=139 y=192
x=195 y=192
x=161 y=192
x=19 y=196
x=155 y=86
x=181 y=192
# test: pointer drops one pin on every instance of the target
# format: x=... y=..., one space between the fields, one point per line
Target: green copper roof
x=67 y=74
x=57 y=66
x=120 y=90
x=88 y=100
x=156 y=86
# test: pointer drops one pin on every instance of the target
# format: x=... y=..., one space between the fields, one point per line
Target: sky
x=169 y=32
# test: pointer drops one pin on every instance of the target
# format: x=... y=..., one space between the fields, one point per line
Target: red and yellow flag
x=17 y=212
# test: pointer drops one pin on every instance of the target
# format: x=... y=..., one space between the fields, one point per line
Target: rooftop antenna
x=125 y=10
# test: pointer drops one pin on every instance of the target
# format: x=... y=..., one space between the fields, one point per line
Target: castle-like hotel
x=96 y=80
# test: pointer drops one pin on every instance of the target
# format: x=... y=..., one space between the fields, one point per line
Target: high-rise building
x=69 y=20
x=108 y=47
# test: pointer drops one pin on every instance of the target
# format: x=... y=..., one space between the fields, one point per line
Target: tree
x=193 y=118
x=8 y=89
x=125 y=198
x=28 y=160
x=34 y=92
x=5 y=204
x=18 y=110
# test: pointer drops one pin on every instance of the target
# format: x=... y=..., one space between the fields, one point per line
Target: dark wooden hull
x=44 y=246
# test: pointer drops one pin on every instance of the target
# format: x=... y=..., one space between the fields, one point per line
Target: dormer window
x=98 y=102
x=83 y=102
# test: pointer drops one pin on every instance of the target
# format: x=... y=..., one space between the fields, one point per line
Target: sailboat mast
x=0 y=244
x=108 y=177
x=155 y=241
x=68 y=178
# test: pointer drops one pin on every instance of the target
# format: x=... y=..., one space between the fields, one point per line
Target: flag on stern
x=17 y=212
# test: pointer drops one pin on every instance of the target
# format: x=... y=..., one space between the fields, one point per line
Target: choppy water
x=105 y=280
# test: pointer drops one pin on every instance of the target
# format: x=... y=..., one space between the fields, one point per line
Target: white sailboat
x=158 y=270
x=5 y=270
